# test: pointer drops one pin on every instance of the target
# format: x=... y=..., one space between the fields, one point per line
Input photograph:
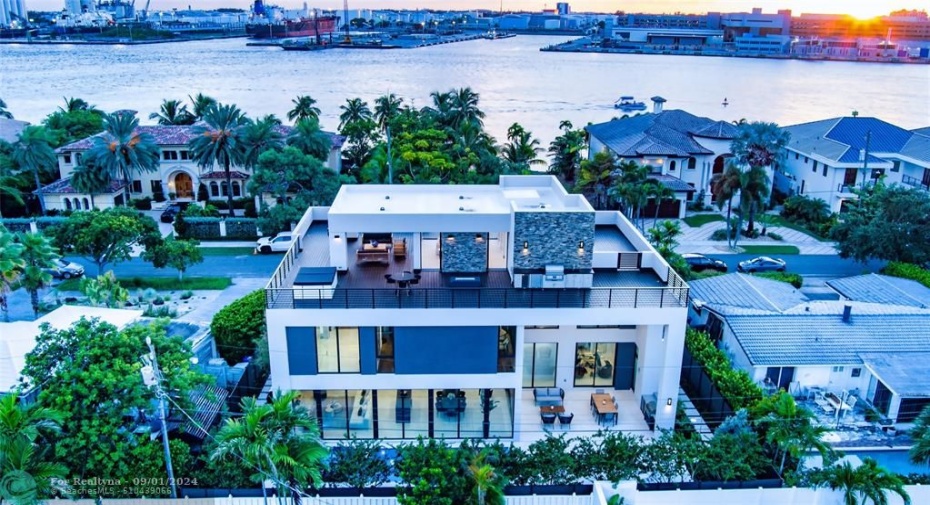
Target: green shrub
x=241 y=228
x=237 y=326
x=201 y=228
x=163 y=311
x=755 y=233
x=249 y=209
x=908 y=271
x=238 y=203
x=187 y=295
x=194 y=210
x=774 y=236
x=805 y=210
x=720 y=235
x=17 y=224
x=735 y=385
x=44 y=223
x=794 y=279
x=142 y=203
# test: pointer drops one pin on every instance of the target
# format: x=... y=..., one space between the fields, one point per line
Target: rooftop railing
x=476 y=298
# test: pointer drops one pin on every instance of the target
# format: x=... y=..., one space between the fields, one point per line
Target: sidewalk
x=697 y=240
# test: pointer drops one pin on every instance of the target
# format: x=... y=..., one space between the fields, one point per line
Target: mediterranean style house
x=178 y=177
x=475 y=311
x=685 y=151
x=829 y=158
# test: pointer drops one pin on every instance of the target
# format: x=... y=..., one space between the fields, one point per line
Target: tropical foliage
x=173 y=112
x=219 y=141
x=122 y=151
x=567 y=153
x=920 y=433
x=866 y=483
x=908 y=271
x=11 y=267
x=178 y=254
x=30 y=475
x=106 y=236
x=735 y=385
x=38 y=255
x=105 y=291
x=33 y=153
x=237 y=326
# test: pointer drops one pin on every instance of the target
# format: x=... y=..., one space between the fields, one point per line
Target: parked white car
x=279 y=243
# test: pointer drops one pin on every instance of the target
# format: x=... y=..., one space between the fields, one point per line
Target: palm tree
x=19 y=421
x=754 y=188
x=596 y=175
x=304 y=108
x=33 y=153
x=201 y=104
x=920 y=434
x=91 y=179
x=387 y=107
x=465 y=108
x=759 y=145
x=522 y=150
x=38 y=255
x=9 y=188
x=11 y=266
x=354 y=111
x=76 y=104
x=632 y=188
x=258 y=137
x=22 y=459
x=659 y=193
x=3 y=112
x=788 y=427
x=310 y=139
x=488 y=484
x=725 y=186
x=870 y=482
x=566 y=151
x=173 y=112
x=122 y=151
x=443 y=109
x=219 y=141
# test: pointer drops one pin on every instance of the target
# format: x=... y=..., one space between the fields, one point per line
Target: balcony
x=915 y=182
x=363 y=287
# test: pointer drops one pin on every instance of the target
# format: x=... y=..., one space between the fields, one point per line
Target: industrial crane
x=346 y=21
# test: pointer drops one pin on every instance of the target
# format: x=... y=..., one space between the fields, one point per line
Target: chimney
x=657 y=102
x=847 y=313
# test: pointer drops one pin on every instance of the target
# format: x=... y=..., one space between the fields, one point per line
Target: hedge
x=241 y=228
x=908 y=271
x=43 y=223
x=202 y=228
x=794 y=279
x=17 y=224
x=735 y=385
x=238 y=203
x=237 y=326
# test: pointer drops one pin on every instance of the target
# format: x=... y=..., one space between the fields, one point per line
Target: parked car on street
x=279 y=243
x=700 y=263
x=170 y=212
x=65 y=269
x=762 y=264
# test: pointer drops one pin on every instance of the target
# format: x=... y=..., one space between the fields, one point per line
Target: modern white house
x=685 y=151
x=829 y=158
x=874 y=343
x=458 y=311
x=178 y=177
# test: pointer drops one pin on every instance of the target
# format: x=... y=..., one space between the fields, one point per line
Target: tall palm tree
x=488 y=483
x=870 y=482
x=354 y=110
x=304 y=108
x=631 y=188
x=30 y=422
x=465 y=107
x=258 y=137
x=789 y=429
x=566 y=152
x=725 y=186
x=754 y=189
x=75 y=104
x=596 y=176
x=11 y=266
x=759 y=145
x=219 y=141
x=122 y=151
x=659 y=193
x=522 y=149
x=443 y=109
x=91 y=179
x=920 y=434
x=310 y=139
x=9 y=188
x=25 y=432
x=201 y=103
x=3 y=112
x=173 y=112
x=38 y=255
x=33 y=153
x=387 y=107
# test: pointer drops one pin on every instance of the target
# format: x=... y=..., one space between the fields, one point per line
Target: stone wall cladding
x=553 y=239
x=465 y=254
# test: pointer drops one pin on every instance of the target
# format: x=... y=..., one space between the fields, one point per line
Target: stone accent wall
x=464 y=254
x=553 y=239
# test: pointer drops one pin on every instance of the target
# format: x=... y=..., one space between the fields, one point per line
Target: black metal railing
x=475 y=298
x=915 y=182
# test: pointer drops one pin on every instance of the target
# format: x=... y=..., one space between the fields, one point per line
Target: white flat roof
x=19 y=338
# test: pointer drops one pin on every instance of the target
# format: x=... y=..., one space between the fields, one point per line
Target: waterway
x=516 y=82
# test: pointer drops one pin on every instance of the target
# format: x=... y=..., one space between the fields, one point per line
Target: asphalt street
x=811 y=265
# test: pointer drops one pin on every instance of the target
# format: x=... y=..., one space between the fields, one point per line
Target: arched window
x=77 y=204
x=671 y=166
x=67 y=204
x=692 y=163
x=236 y=190
x=86 y=204
x=214 y=189
x=224 y=188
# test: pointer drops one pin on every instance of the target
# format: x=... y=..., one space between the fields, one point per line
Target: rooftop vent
x=847 y=313
x=382 y=209
x=387 y=197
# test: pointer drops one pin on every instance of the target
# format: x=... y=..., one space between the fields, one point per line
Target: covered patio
x=585 y=422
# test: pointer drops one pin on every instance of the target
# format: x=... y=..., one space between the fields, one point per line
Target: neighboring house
x=399 y=299
x=19 y=337
x=827 y=159
x=177 y=174
x=685 y=151
x=780 y=337
x=10 y=129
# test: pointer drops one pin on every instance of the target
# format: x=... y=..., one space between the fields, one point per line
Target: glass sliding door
x=595 y=363
x=337 y=350
x=539 y=364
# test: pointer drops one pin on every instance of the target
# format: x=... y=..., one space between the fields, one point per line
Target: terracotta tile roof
x=179 y=136
x=63 y=187
x=220 y=174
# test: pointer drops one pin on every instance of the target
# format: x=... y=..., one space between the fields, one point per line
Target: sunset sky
x=860 y=8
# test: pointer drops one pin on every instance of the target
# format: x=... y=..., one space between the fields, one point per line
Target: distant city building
x=563 y=8
x=915 y=27
x=12 y=12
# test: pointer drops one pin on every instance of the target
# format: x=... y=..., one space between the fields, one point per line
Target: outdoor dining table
x=552 y=409
x=403 y=279
x=604 y=405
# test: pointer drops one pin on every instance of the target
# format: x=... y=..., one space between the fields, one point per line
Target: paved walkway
x=697 y=240
x=240 y=287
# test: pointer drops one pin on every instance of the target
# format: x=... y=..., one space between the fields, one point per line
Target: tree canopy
x=106 y=236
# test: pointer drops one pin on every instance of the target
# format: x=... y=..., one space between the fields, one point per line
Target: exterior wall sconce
x=668 y=402
x=450 y=238
x=526 y=248
x=382 y=209
x=337 y=238
x=581 y=248
x=479 y=238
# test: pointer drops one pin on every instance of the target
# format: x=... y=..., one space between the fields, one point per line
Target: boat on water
x=629 y=103
x=494 y=35
x=270 y=22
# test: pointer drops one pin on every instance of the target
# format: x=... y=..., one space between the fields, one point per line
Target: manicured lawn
x=698 y=220
x=770 y=249
x=227 y=251
x=776 y=220
x=160 y=283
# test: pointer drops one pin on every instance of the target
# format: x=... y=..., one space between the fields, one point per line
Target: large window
x=595 y=363
x=385 y=343
x=506 y=341
x=539 y=365
x=337 y=350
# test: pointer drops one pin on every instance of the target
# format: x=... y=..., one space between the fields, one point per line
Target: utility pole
x=152 y=377
x=390 y=161
x=865 y=159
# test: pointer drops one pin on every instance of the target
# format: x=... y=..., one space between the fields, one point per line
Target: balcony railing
x=913 y=181
x=476 y=298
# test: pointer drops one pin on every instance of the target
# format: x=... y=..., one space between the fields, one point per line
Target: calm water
x=517 y=83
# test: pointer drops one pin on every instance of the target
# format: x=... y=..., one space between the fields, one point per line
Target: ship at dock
x=270 y=22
